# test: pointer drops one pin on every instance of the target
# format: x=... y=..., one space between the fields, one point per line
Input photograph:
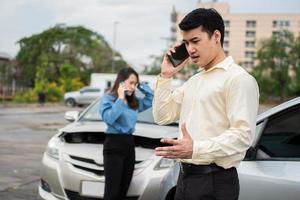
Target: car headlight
x=164 y=163
x=53 y=147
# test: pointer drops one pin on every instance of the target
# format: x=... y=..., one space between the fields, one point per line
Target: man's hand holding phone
x=174 y=60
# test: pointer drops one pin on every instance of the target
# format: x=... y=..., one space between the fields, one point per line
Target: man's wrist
x=165 y=76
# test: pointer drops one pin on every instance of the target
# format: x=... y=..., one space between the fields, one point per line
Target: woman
x=119 y=109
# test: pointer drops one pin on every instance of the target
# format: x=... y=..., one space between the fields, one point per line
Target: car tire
x=70 y=102
x=171 y=194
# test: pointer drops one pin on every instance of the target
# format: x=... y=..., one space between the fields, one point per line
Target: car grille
x=85 y=160
x=95 y=171
x=76 y=196
x=88 y=165
x=84 y=163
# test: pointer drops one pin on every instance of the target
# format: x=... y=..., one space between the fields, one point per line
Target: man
x=216 y=108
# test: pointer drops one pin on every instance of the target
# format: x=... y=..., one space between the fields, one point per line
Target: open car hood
x=141 y=129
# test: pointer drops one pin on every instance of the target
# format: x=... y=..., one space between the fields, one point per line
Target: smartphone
x=123 y=84
x=180 y=55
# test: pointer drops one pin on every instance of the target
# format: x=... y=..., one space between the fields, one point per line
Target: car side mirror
x=72 y=116
x=251 y=153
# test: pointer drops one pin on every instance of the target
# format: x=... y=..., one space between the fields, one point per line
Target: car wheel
x=171 y=194
x=70 y=102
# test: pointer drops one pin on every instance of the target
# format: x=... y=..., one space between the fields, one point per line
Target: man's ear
x=217 y=36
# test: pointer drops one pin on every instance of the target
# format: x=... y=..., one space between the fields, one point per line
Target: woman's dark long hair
x=122 y=76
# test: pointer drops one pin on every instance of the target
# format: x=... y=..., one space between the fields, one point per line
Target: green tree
x=69 y=80
x=154 y=67
x=84 y=49
x=295 y=58
x=275 y=65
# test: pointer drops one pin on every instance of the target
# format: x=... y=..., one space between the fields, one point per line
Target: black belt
x=187 y=168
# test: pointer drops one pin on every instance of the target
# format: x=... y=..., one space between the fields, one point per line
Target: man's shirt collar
x=224 y=64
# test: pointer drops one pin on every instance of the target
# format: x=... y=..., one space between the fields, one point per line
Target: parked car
x=72 y=165
x=271 y=168
x=84 y=96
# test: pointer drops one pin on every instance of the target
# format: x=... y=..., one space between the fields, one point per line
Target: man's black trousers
x=119 y=159
x=207 y=184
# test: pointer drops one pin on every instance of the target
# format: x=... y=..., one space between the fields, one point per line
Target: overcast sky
x=142 y=23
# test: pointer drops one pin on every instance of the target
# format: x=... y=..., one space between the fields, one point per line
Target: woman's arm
x=146 y=102
x=110 y=110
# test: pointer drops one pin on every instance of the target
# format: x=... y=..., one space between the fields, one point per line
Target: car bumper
x=57 y=186
x=47 y=195
x=50 y=174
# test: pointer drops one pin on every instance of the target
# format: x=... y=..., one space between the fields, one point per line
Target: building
x=244 y=31
x=5 y=61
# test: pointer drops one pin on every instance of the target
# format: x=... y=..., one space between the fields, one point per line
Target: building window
x=249 y=54
x=226 y=43
x=250 y=23
x=250 y=43
x=281 y=23
x=227 y=23
x=250 y=34
x=226 y=34
x=248 y=64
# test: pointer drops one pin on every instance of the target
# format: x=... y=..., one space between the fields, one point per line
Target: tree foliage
x=155 y=67
x=277 y=70
x=60 y=45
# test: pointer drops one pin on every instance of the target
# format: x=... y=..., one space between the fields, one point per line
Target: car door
x=271 y=169
x=87 y=95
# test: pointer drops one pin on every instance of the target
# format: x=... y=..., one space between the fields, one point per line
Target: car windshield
x=92 y=114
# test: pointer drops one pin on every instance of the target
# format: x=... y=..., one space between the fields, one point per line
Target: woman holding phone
x=119 y=109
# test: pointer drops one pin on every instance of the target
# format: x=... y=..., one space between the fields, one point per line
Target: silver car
x=72 y=165
x=84 y=96
x=271 y=169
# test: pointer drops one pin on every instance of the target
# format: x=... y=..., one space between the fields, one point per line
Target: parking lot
x=24 y=132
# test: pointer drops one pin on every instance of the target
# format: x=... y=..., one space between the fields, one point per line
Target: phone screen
x=180 y=55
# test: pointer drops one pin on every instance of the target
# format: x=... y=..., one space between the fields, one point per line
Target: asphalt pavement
x=24 y=133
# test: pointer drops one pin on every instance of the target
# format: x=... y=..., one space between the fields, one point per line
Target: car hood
x=147 y=137
x=141 y=129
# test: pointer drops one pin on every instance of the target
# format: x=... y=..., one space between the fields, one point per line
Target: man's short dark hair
x=209 y=19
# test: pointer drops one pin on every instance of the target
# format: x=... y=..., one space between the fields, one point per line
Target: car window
x=82 y=89
x=92 y=114
x=93 y=90
x=281 y=137
x=89 y=90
